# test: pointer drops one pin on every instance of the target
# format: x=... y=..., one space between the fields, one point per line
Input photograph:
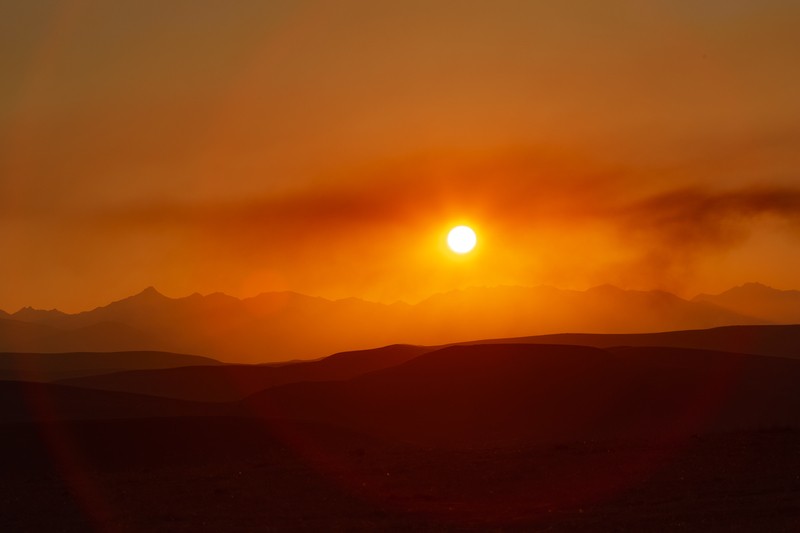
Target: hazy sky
x=326 y=147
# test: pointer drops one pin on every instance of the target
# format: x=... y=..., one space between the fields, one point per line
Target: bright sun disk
x=461 y=239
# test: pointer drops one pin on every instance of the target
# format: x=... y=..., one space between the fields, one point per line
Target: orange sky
x=326 y=147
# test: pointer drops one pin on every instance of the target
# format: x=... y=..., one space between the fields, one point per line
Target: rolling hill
x=779 y=340
x=479 y=395
x=22 y=401
x=234 y=382
x=54 y=366
x=497 y=395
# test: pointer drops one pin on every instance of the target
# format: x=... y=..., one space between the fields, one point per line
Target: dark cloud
x=690 y=219
x=673 y=231
x=514 y=188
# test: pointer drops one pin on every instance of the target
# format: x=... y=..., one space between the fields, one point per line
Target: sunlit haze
x=323 y=147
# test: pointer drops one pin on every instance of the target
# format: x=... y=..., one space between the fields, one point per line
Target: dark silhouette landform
x=54 y=366
x=283 y=326
x=487 y=393
x=232 y=382
x=695 y=429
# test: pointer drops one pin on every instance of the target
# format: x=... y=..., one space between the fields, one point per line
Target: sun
x=461 y=239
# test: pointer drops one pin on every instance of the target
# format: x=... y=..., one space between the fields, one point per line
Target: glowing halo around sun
x=462 y=239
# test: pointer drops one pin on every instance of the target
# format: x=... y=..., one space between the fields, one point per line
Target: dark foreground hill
x=489 y=395
x=482 y=395
x=225 y=383
x=234 y=382
x=779 y=340
x=54 y=366
x=499 y=437
x=22 y=401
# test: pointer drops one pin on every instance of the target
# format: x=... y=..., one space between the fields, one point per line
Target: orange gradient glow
x=319 y=147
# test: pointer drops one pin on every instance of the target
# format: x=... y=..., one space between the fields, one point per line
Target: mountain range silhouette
x=284 y=325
